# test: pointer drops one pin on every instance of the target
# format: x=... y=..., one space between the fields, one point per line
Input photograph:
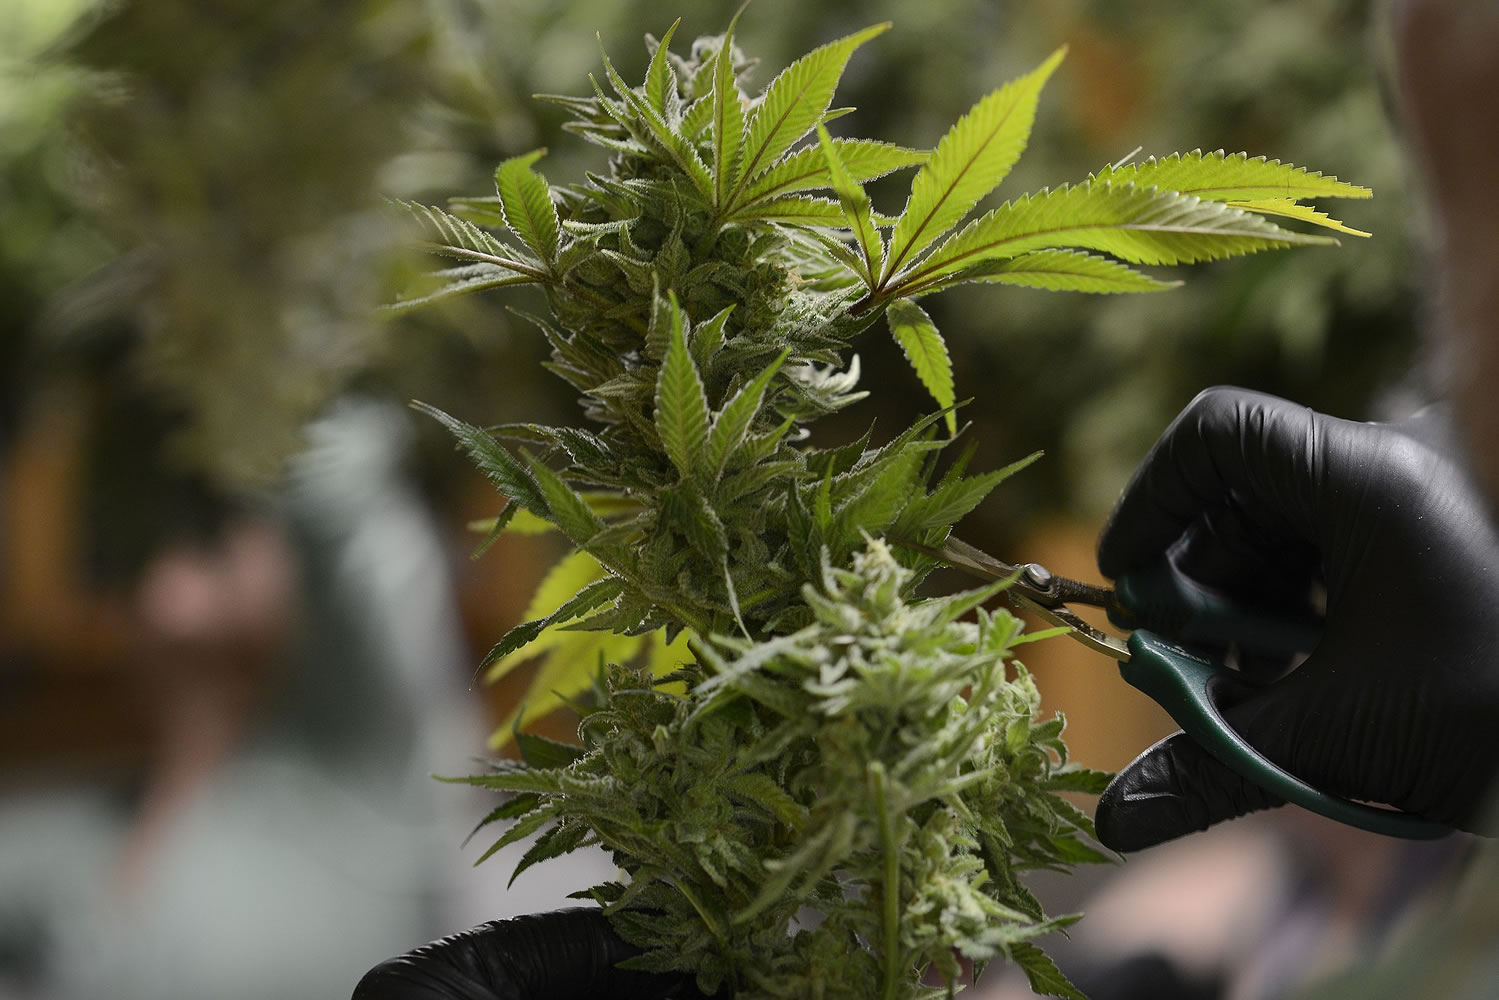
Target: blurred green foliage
x=231 y=156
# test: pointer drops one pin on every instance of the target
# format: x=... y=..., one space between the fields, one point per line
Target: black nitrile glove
x=1264 y=500
x=566 y=955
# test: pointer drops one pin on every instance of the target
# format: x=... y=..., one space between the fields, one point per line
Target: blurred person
x=303 y=668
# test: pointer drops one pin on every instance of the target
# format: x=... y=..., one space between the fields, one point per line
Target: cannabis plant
x=815 y=782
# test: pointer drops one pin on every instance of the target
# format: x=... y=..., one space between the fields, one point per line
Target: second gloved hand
x=1265 y=500
x=544 y=956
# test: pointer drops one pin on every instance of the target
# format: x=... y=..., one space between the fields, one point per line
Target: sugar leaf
x=509 y=476
x=681 y=407
x=733 y=422
x=527 y=203
x=660 y=77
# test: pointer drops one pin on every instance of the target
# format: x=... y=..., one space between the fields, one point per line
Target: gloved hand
x=565 y=955
x=1264 y=500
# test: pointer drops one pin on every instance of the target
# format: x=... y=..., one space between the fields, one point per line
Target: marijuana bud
x=833 y=810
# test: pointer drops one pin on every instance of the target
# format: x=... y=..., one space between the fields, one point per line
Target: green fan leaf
x=681 y=406
x=527 y=825
x=1062 y=271
x=541 y=752
x=527 y=202
x=796 y=101
x=857 y=213
x=1140 y=225
x=970 y=161
x=495 y=527
x=1221 y=177
x=917 y=336
x=807 y=168
x=733 y=422
x=728 y=120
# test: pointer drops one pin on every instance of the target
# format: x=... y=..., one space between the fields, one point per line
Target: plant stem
x=892 y=880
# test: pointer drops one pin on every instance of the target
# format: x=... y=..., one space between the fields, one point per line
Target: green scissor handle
x=1187 y=686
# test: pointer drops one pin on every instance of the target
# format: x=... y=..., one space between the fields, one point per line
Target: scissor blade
x=960 y=555
x=1095 y=639
x=976 y=562
x=964 y=556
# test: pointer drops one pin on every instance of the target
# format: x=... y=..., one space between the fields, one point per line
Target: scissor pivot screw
x=1037 y=576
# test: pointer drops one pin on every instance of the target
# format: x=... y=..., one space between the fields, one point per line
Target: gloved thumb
x=1174 y=788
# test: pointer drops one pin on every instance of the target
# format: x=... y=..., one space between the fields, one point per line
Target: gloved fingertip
x=1173 y=789
x=1134 y=814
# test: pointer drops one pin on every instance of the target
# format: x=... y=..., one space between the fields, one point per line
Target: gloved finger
x=565 y=953
x=1230 y=550
x=1177 y=787
x=1173 y=789
x=1228 y=445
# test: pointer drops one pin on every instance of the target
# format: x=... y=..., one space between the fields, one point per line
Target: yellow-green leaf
x=572 y=573
x=806 y=169
x=796 y=101
x=728 y=120
x=917 y=335
x=1239 y=177
x=570 y=666
x=857 y=213
x=970 y=161
x=1064 y=271
x=572 y=658
x=1140 y=225
x=1289 y=209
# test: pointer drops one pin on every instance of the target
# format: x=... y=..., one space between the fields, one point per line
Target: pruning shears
x=1187 y=684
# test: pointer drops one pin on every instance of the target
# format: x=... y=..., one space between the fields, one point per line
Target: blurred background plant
x=191 y=241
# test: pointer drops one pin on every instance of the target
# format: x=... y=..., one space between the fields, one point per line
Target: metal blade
x=1095 y=639
x=1034 y=589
